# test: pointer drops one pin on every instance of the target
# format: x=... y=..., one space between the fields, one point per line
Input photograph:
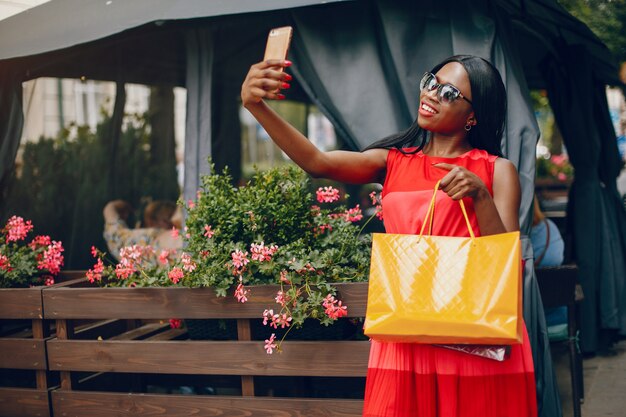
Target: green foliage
x=606 y=18
x=265 y=232
x=65 y=181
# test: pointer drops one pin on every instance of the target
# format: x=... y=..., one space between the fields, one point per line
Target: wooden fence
x=26 y=381
x=112 y=344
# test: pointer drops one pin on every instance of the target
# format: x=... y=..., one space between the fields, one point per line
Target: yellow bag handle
x=431 y=213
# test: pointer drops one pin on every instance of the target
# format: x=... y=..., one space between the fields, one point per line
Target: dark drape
x=595 y=215
x=364 y=72
x=198 y=134
x=11 y=123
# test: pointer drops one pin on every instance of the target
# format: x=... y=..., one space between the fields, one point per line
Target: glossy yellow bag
x=439 y=289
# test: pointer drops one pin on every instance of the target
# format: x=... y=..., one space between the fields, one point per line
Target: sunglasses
x=446 y=93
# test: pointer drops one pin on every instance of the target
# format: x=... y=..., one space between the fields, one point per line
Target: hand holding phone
x=278 y=41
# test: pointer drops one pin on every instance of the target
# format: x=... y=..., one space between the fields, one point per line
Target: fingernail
x=280 y=96
x=284 y=85
x=288 y=77
x=287 y=63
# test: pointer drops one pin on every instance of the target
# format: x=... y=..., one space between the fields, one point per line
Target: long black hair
x=489 y=104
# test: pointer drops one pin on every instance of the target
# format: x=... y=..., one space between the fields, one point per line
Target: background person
x=159 y=231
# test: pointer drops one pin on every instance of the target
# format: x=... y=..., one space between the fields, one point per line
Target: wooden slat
x=141 y=332
x=159 y=303
x=100 y=404
x=22 y=354
x=218 y=358
x=20 y=402
x=170 y=334
x=20 y=303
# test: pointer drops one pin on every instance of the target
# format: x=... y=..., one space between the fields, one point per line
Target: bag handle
x=431 y=213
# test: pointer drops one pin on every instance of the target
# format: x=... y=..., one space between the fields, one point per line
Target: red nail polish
x=288 y=77
x=280 y=96
x=284 y=85
x=287 y=63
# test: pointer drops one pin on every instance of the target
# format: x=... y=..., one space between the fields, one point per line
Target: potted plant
x=268 y=231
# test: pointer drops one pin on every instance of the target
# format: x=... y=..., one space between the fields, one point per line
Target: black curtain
x=595 y=215
x=11 y=124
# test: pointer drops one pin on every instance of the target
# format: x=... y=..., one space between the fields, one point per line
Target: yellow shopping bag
x=439 y=289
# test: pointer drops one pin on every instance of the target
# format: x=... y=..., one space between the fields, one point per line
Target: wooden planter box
x=149 y=348
x=23 y=350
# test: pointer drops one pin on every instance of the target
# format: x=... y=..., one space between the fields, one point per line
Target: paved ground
x=605 y=383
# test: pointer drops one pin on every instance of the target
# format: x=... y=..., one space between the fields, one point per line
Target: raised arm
x=264 y=82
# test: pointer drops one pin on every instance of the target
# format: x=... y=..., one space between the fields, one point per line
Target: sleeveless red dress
x=421 y=380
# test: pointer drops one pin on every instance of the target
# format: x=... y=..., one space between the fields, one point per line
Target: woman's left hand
x=460 y=182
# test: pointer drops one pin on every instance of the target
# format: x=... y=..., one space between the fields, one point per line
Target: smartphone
x=278 y=42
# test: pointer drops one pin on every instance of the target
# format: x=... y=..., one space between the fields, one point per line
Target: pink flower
x=561 y=176
x=49 y=281
x=267 y=316
x=284 y=277
x=379 y=213
x=281 y=320
x=174 y=232
x=262 y=253
x=270 y=345
x=327 y=194
x=333 y=307
x=124 y=269
x=188 y=264
x=95 y=274
x=191 y=204
x=374 y=198
x=208 y=233
x=175 y=275
x=94 y=252
x=280 y=298
x=17 y=228
x=164 y=257
x=4 y=263
x=354 y=214
x=241 y=293
x=240 y=259
x=39 y=241
x=559 y=159
x=52 y=259
x=176 y=323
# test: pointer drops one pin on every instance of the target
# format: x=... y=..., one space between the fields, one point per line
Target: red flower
x=327 y=194
x=17 y=228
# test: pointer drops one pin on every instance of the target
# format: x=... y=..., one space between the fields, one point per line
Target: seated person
x=548 y=247
x=546 y=240
x=159 y=231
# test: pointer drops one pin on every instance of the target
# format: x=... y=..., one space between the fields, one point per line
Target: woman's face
x=447 y=118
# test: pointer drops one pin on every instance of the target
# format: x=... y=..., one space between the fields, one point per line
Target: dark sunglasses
x=446 y=93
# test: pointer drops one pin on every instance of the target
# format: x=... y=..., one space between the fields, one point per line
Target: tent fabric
x=61 y=24
x=198 y=132
x=595 y=216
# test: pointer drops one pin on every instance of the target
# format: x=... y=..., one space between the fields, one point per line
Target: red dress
x=420 y=380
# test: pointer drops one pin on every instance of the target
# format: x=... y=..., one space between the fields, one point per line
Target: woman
x=458 y=132
x=160 y=226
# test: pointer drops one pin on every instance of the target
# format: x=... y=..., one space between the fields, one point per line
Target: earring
x=468 y=127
